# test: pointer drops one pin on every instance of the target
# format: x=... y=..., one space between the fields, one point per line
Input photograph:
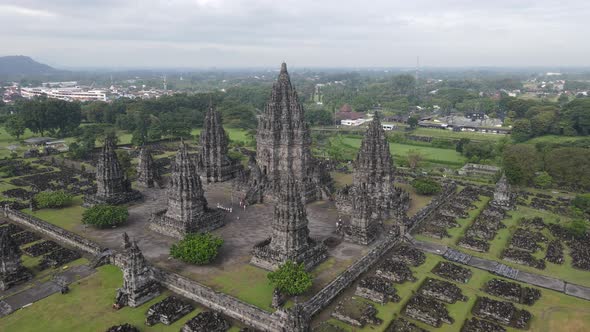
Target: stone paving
x=41 y=291
x=243 y=229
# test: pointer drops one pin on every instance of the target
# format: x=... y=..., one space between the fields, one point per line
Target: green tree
x=105 y=216
x=15 y=126
x=291 y=278
x=461 y=144
x=521 y=130
x=520 y=163
x=413 y=122
x=543 y=180
x=426 y=186
x=569 y=166
x=197 y=249
x=577 y=115
x=478 y=151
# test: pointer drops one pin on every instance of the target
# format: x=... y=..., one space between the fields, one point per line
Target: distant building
x=348 y=122
x=69 y=94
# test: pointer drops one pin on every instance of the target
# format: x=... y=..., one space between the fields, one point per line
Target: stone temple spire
x=147 y=172
x=283 y=141
x=112 y=186
x=187 y=210
x=110 y=179
x=12 y=271
x=290 y=235
x=138 y=284
x=373 y=197
x=214 y=163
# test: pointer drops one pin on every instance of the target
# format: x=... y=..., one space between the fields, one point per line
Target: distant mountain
x=20 y=65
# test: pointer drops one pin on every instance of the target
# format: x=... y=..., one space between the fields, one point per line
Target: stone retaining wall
x=344 y=279
x=447 y=193
x=54 y=232
x=228 y=305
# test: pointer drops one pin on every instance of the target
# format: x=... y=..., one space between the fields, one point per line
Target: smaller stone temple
x=12 y=272
x=364 y=226
x=373 y=197
x=502 y=194
x=147 y=171
x=138 y=284
x=290 y=235
x=214 y=163
x=112 y=186
x=187 y=210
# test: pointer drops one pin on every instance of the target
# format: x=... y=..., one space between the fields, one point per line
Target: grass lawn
x=556 y=139
x=235 y=134
x=553 y=312
x=434 y=155
x=247 y=283
x=67 y=218
x=86 y=308
x=449 y=134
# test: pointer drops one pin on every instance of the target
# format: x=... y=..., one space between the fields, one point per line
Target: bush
x=582 y=202
x=578 y=228
x=53 y=199
x=197 y=248
x=426 y=186
x=290 y=278
x=103 y=216
x=543 y=180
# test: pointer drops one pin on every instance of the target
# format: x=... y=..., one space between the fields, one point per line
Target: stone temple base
x=360 y=235
x=207 y=222
x=220 y=174
x=312 y=255
x=13 y=279
x=117 y=199
x=137 y=297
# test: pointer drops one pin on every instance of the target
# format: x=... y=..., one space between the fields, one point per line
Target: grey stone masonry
x=290 y=235
x=147 y=172
x=503 y=196
x=372 y=197
x=112 y=186
x=283 y=144
x=138 y=283
x=187 y=210
x=12 y=271
x=214 y=164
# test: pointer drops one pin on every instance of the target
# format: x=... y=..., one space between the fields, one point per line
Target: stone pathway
x=504 y=270
x=43 y=290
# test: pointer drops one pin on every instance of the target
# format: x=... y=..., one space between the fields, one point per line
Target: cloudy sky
x=327 y=33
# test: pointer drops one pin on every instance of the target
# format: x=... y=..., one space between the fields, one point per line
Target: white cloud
x=203 y=33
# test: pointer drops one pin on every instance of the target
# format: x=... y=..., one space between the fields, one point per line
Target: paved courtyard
x=242 y=230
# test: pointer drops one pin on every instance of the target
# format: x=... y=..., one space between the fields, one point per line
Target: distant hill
x=20 y=65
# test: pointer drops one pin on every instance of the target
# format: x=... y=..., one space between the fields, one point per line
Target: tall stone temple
x=187 y=210
x=214 y=164
x=147 y=171
x=290 y=235
x=372 y=197
x=283 y=144
x=12 y=272
x=138 y=284
x=112 y=186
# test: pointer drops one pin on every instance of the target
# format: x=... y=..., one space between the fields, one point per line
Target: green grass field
x=86 y=308
x=434 y=155
x=67 y=218
x=556 y=139
x=235 y=134
x=449 y=134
